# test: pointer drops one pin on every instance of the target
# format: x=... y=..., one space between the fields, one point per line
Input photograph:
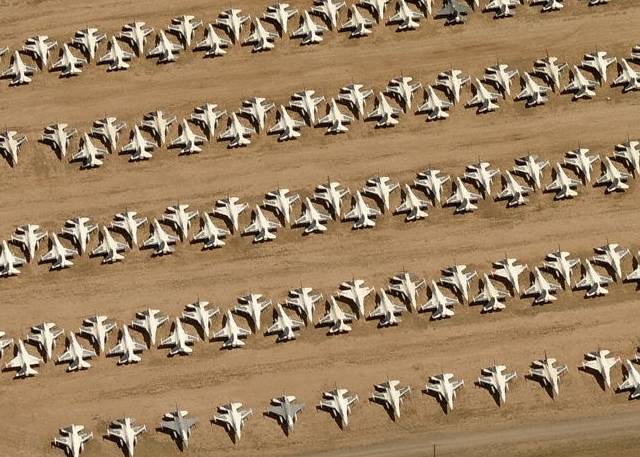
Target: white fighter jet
x=260 y=38
x=199 y=314
x=457 y=278
x=434 y=107
x=286 y=126
x=376 y=7
x=452 y=81
x=406 y=17
x=304 y=300
x=136 y=33
x=389 y=394
x=232 y=417
x=550 y=70
x=187 y=141
x=38 y=47
x=309 y=31
x=109 y=249
x=402 y=89
x=496 y=379
x=530 y=167
x=148 y=322
x=581 y=161
x=431 y=181
x=384 y=113
x=157 y=123
x=261 y=227
x=58 y=254
x=44 y=336
x=230 y=209
x=631 y=382
x=598 y=62
x=491 y=297
x=453 y=11
x=231 y=333
x=628 y=77
x=68 y=64
x=600 y=363
x=213 y=44
x=160 y=240
x=127 y=348
x=542 y=289
x=184 y=27
x=362 y=214
x=284 y=325
x=509 y=270
x=124 y=431
x=483 y=99
x=96 y=329
x=28 y=237
x=206 y=117
x=116 y=58
x=75 y=355
x=533 y=92
x=561 y=266
x=285 y=410
x=23 y=362
x=210 y=234
x=165 y=50
x=629 y=154
x=338 y=402
x=355 y=292
x=138 y=146
x=338 y=319
x=251 y=306
x=357 y=24
x=593 y=282
x=611 y=255
x=614 y=179
x=18 y=72
x=439 y=304
x=232 y=21
x=9 y=262
x=462 y=198
x=237 y=133
x=414 y=207
x=331 y=195
x=88 y=153
x=178 y=424
x=380 y=188
x=128 y=223
x=306 y=103
x=548 y=374
x=180 y=218
x=406 y=285
x=481 y=174
x=328 y=10
x=279 y=15
x=516 y=193
x=548 y=5
x=79 y=230
x=107 y=130
x=563 y=186
x=335 y=120
x=386 y=310
x=501 y=8
x=179 y=340
x=58 y=136
x=355 y=97
x=10 y=145
x=312 y=218
x=72 y=439
x=87 y=40
x=444 y=387
x=580 y=85
x=500 y=76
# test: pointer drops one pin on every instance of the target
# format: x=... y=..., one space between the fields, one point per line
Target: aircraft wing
x=66 y=356
x=117 y=349
x=243 y=332
x=171 y=340
x=222 y=333
x=297 y=407
x=404 y=391
x=328 y=403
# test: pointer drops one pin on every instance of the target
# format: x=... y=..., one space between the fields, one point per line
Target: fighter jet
x=510 y=271
x=116 y=57
x=376 y=7
x=68 y=64
x=444 y=387
x=9 y=262
x=79 y=230
x=496 y=379
x=452 y=81
x=187 y=141
x=462 y=198
x=306 y=102
x=593 y=282
x=434 y=107
x=501 y=8
x=179 y=340
x=10 y=144
x=490 y=297
x=107 y=131
x=128 y=223
x=178 y=424
x=561 y=266
x=38 y=48
x=384 y=113
x=631 y=382
x=304 y=300
x=362 y=215
x=439 y=304
x=184 y=27
x=358 y=25
x=139 y=147
x=23 y=362
x=260 y=38
x=284 y=325
x=328 y=10
x=534 y=93
x=109 y=249
x=213 y=45
x=230 y=209
x=58 y=136
x=206 y=117
x=580 y=160
x=598 y=62
x=386 y=311
x=75 y=355
x=231 y=333
x=285 y=410
x=44 y=336
x=402 y=89
x=58 y=254
x=331 y=194
x=286 y=126
x=611 y=255
x=124 y=431
x=72 y=439
x=380 y=188
x=279 y=14
x=199 y=314
x=309 y=31
x=413 y=206
x=548 y=374
x=136 y=33
x=548 y=5
x=614 y=179
x=312 y=218
x=628 y=77
x=127 y=348
x=338 y=403
x=88 y=153
x=453 y=11
x=148 y=322
x=337 y=318
x=530 y=167
x=458 y=279
x=335 y=120
x=563 y=186
x=355 y=97
x=390 y=395
x=96 y=329
x=431 y=182
x=600 y=363
x=629 y=154
x=483 y=99
x=541 y=289
x=210 y=235
x=160 y=240
x=237 y=133
x=355 y=292
x=232 y=417
x=157 y=123
x=251 y=306
x=180 y=218
x=500 y=76
x=28 y=237
x=18 y=72
x=513 y=191
x=405 y=17
x=580 y=85
x=261 y=227
x=87 y=40
x=406 y=286
x=231 y=21
x=165 y=50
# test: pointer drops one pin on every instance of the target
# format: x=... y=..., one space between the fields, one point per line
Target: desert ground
x=584 y=420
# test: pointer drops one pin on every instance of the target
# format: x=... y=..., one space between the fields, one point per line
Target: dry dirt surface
x=584 y=420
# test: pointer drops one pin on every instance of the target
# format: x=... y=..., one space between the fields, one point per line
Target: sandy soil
x=584 y=420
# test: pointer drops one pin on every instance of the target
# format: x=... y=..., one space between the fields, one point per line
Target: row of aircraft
x=340 y=402
x=494 y=287
x=273 y=24
x=303 y=110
